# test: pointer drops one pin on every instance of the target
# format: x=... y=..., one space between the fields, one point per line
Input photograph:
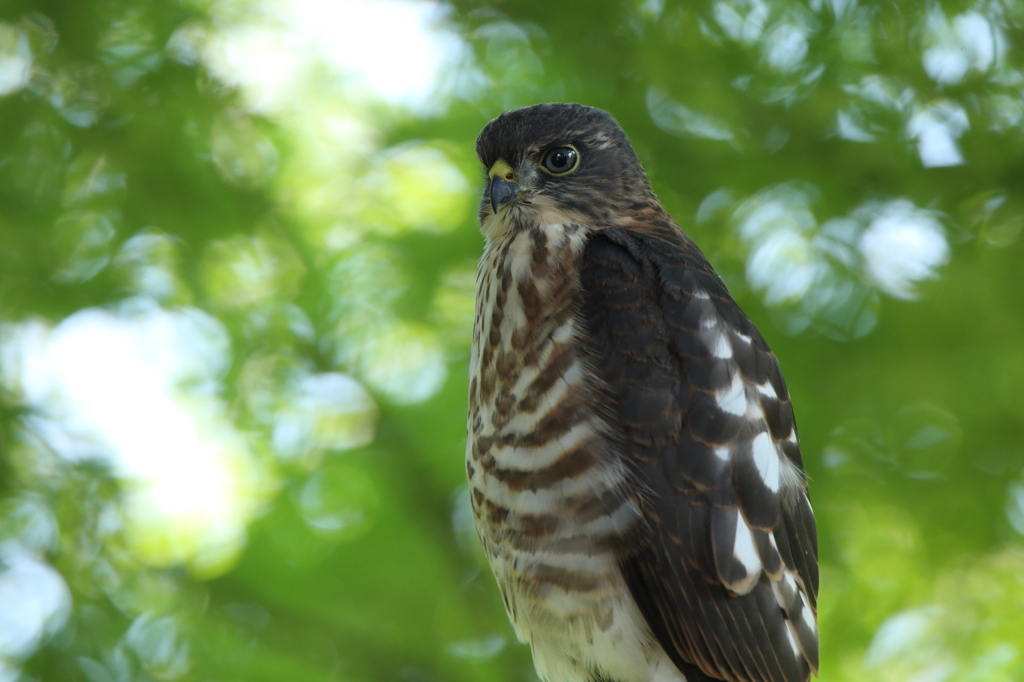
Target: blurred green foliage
x=234 y=319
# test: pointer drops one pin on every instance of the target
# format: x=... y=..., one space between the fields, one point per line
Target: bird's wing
x=727 y=577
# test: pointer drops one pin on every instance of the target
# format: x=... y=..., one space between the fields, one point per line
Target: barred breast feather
x=555 y=505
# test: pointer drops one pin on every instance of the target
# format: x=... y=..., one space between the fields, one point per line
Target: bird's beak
x=502 y=186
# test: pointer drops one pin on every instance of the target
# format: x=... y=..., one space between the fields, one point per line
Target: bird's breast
x=551 y=497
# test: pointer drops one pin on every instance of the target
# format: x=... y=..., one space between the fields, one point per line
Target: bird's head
x=557 y=163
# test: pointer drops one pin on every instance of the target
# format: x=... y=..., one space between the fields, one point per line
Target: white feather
x=766 y=389
x=766 y=459
x=734 y=400
x=550 y=500
x=743 y=547
x=792 y=640
x=564 y=333
x=777 y=591
x=720 y=347
x=808 y=618
x=511 y=457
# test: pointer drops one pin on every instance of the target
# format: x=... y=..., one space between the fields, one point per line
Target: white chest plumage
x=551 y=499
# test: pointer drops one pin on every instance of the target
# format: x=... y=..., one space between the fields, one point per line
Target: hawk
x=633 y=459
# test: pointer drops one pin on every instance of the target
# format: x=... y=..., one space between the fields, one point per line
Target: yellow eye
x=560 y=160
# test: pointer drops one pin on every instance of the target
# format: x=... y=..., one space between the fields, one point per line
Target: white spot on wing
x=735 y=400
x=766 y=389
x=766 y=459
x=720 y=348
x=805 y=614
x=701 y=294
x=743 y=547
x=779 y=598
x=722 y=454
x=783 y=588
x=792 y=641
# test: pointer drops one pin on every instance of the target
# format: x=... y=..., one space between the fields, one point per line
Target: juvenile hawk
x=633 y=459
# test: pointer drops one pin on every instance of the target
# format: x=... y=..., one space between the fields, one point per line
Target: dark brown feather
x=643 y=314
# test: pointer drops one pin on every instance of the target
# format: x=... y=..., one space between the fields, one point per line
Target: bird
x=632 y=455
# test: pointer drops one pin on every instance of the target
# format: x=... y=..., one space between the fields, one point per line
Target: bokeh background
x=237 y=253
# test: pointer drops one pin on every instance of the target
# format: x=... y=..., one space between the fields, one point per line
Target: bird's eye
x=560 y=160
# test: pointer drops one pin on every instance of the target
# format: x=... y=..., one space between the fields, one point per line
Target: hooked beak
x=502 y=191
x=502 y=187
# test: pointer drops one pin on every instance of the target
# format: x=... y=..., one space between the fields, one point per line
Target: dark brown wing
x=728 y=577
